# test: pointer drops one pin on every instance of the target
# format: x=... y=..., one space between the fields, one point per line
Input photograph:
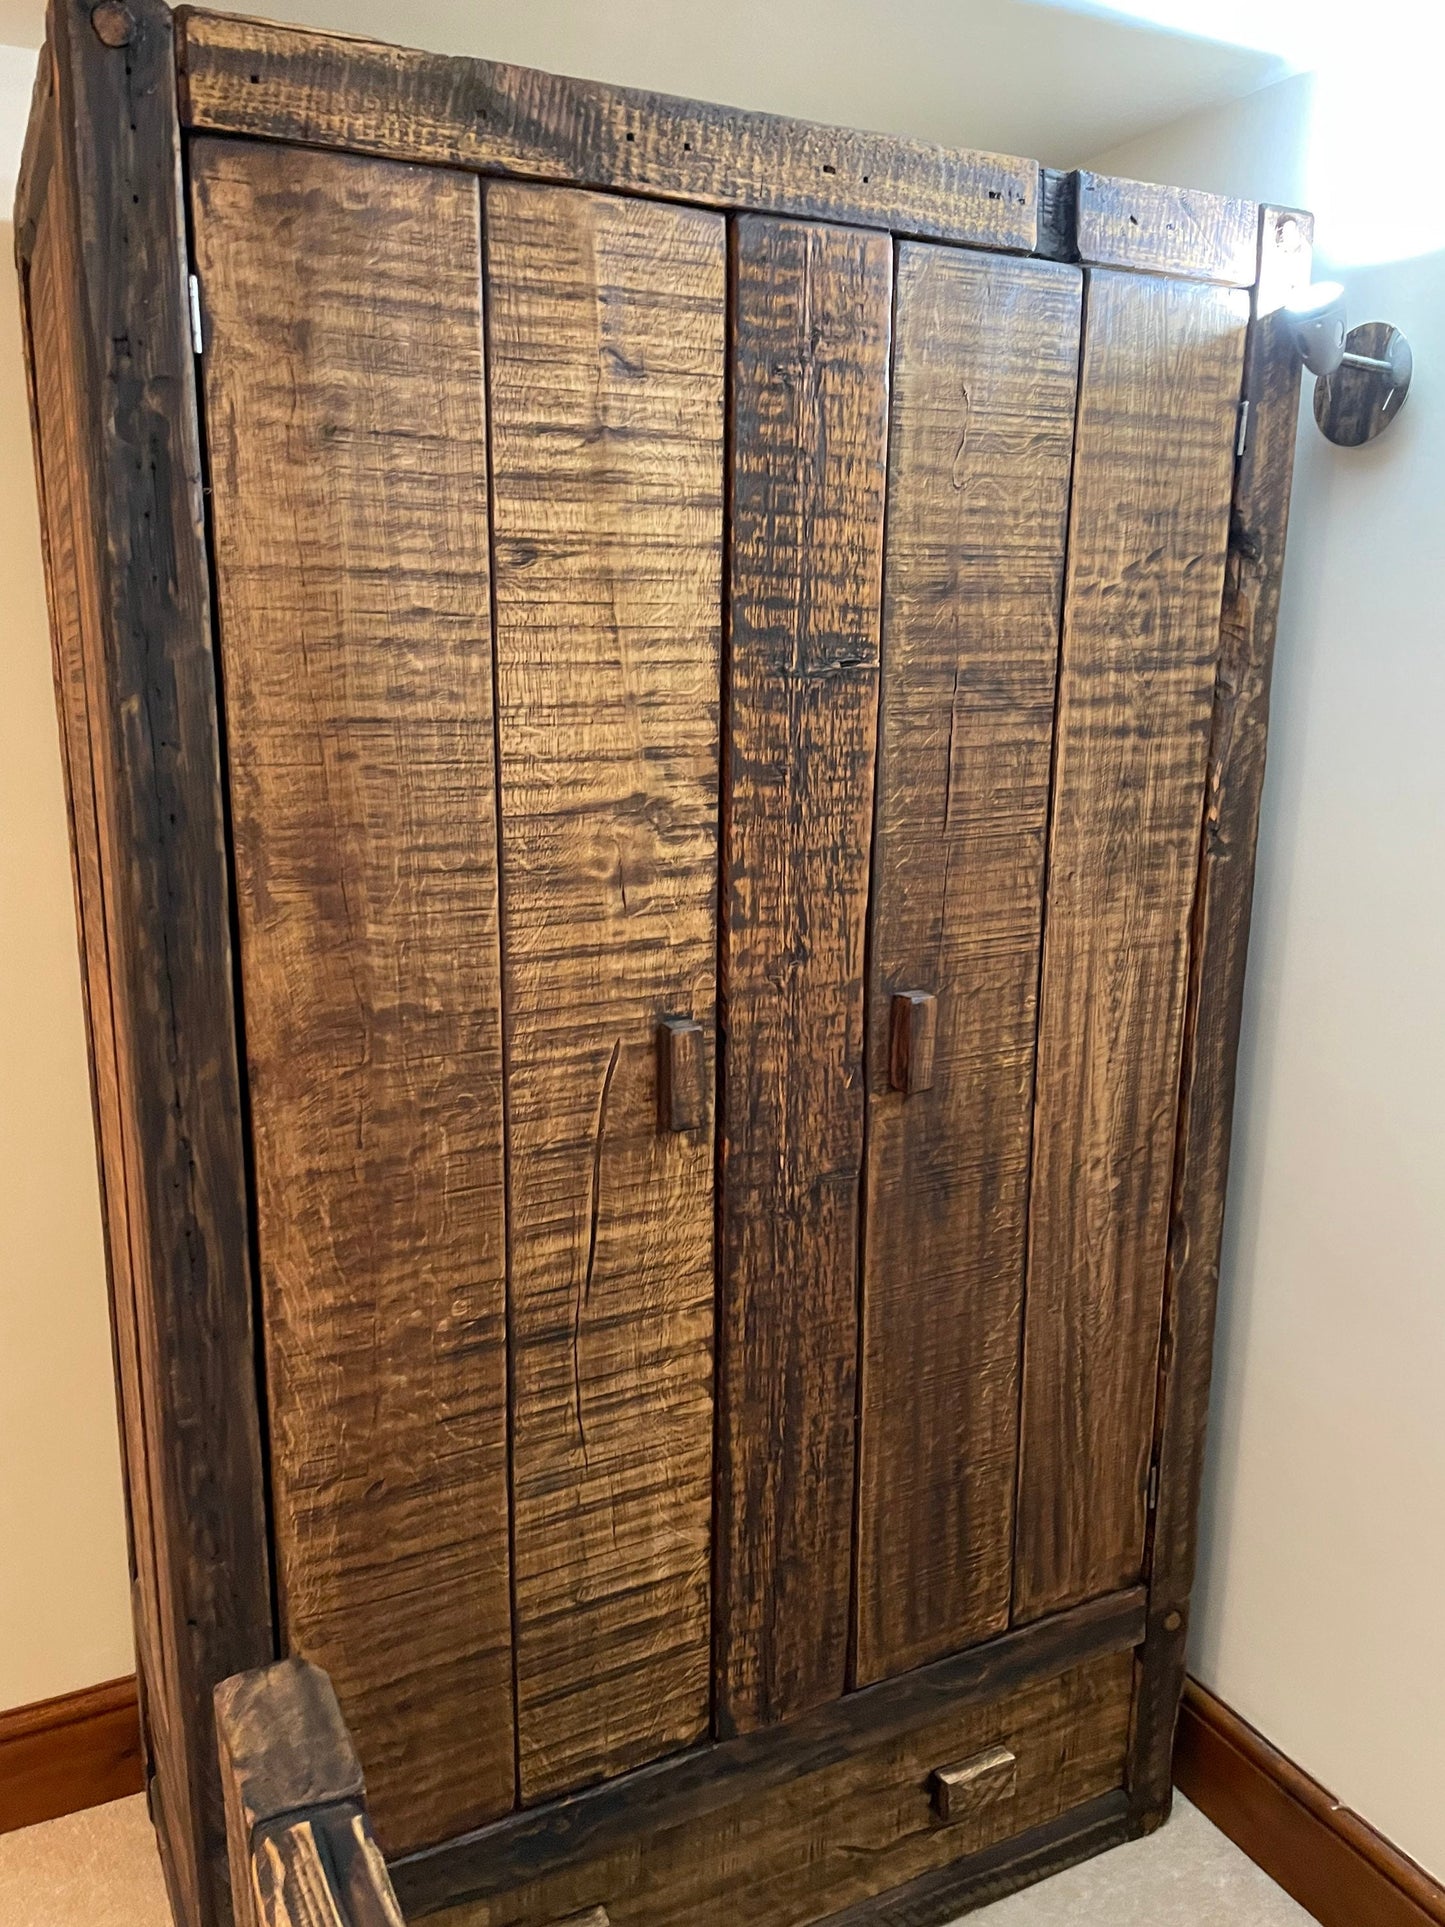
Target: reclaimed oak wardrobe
x=664 y=714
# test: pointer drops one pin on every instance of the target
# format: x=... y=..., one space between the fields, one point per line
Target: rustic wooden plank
x=941 y=1896
x=55 y=404
x=1218 y=949
x=1164 y=230
x=600 y=1820
x=854 y=1826
x=984 y=372
x=809 y=421
x=606 y=323
x=1153 y=468
x=251 y=77
x=301 y=1847
x=175 y=1167
x=346 y=422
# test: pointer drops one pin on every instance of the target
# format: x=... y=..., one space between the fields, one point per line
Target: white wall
x=64 y=1607
x=1323 y=1561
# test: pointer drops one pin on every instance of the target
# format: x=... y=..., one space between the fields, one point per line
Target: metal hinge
x=1241 y=439
x=193 y=289
x=1154 y=1485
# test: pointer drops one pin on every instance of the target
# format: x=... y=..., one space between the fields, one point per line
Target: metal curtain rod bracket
x=1363 y=376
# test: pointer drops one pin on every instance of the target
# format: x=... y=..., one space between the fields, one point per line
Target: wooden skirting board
x=1329 y=1859
x=63 y=1754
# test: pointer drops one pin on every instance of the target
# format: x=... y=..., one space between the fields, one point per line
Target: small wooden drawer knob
x=969 y=1786
x=910 y=1041
x=681 y=1075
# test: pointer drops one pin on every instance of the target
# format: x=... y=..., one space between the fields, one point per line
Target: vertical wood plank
x=125 y=432
x=1218 y=952
x=606 y=326
x=811 y=325
x=1154 y=462
x=985 y=363
x=345 y=411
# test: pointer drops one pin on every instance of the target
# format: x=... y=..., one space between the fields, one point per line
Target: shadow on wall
x=64 y=1604
x=1322 y=1560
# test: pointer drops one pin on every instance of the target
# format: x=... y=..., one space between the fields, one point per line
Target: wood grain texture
x=64 y=1754
x=56 y=403
x=1218 y=949
x=321 y=1870
x=606 y=322
x=1153 y=468
x=936 y=1898
x=301 y=1848
x=250 y=77
x=985 y=363
x=809 y=426
x=1337 y=1866
x=175 y=1156
x=1165 y=230
x=854 y=1827
x=537 y=1841
x=345 y=414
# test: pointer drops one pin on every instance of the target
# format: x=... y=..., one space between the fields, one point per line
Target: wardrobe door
x=606 y=331
x=1154 y=462
x=344 y=404
x=809 y=419
x=985 y=361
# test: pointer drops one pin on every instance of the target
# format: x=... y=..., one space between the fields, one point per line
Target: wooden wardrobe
x=664 y=714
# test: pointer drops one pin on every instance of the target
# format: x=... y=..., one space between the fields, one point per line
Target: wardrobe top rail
x=242 y=76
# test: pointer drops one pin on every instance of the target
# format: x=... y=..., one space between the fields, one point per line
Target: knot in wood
x=113 y=22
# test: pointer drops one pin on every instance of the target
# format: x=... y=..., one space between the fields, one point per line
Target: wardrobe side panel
x=1153 y=468
x=985 y=363
x=606 y=326
x=345 y=414
x=811 y=326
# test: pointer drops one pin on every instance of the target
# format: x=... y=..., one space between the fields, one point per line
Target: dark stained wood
x=1219 y=942
x=683 y=1074
x=1165 y=230
x=913 y=1033
x=283 y=1742
x=809 y=403
x=934 y=1899
x=56 y=403
x=322 y=1870
x=345 y=417
x=672 y=1793
x=301 y=1849
x=1335 y=1864
x=77 y=1750
x=985 y=363
x=1153 y=469
x=854 y=1826
x=243 y=76
x=174 y=1164
x=606 y=322
x=1058 y=204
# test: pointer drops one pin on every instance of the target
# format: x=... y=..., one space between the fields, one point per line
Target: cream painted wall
x=1323 y=1560
x=64 y=1606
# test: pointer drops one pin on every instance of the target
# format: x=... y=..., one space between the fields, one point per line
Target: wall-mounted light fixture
x=1362 y=378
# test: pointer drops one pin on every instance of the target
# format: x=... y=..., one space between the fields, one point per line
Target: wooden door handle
x=913 y=1026
x=681 y=1075
x=969 y=1785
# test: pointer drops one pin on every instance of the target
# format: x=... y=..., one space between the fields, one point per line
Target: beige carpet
x=99 y=1869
